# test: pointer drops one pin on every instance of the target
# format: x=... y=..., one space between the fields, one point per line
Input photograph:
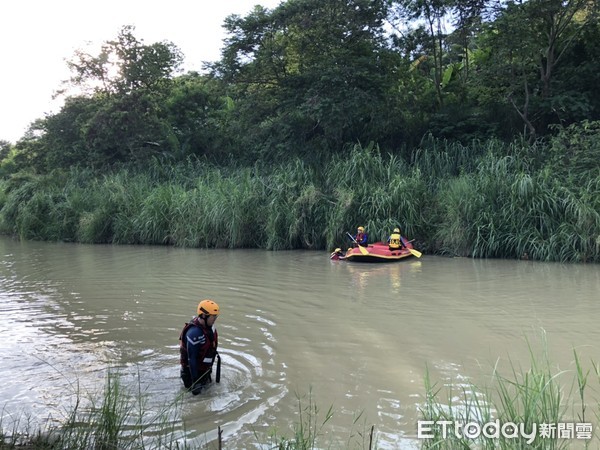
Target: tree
x=128 y=129
x=58 y=140
x=5 y=148
x=119 y=117
x=575 y=86
x=125 y=65
x=430 y=17
x=527 y=43
x=311 y=74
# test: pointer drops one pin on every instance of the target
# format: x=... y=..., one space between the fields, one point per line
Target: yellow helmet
x=337 y=250
x=361 y=229
x=396 y=230
x=208 y=307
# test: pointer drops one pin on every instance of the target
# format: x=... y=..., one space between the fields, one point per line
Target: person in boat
x=338 y=254
x=198 y=344
x=396 y=241
x=360 y=238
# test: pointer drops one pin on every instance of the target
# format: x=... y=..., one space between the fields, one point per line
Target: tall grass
x=308 y=428
x=311 y=430
x=482 y=200
x=118 y=418
x=500 y=211
x=527 y=396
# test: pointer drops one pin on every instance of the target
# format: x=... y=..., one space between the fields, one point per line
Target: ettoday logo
x=428 y=429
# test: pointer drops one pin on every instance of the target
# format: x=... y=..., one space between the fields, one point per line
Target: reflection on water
x=357 y=337
x=389 y=274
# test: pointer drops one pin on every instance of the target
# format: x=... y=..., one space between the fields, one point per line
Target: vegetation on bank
x=118 y=419
x=528 y=396
x=269 y=147
x=539 y=400
x=483 y=200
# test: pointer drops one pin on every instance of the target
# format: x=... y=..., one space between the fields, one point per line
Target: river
x=358 y=338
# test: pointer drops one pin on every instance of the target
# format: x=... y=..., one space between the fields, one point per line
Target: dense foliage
x=493 y=205
x=483 y=113
x=312 y=76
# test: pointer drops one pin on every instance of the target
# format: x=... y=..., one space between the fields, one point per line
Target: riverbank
x=453 y=200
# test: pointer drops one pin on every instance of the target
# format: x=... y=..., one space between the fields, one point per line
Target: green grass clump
x=310 y=431
x=120 y=419
x=485 y=200
x=528 y=397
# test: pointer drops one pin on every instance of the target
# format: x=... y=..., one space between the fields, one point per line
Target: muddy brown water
x=355 y=337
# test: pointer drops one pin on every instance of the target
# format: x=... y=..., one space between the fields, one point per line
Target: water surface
x=355 y=337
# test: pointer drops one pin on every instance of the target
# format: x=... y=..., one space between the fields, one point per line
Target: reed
x=311 y=430
x=529 y=397
x=121 y=418
x=488 y=200
x=235 y=209
x=307 y=429
x=500 y=211
x=376 y=191
x=118 y=418
x=438 y=160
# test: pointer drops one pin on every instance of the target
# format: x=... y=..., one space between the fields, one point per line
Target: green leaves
x=312 y=78
x=124 y=65
x=308 y=74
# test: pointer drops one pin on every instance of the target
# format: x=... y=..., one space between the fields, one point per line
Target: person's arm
x=364 y=239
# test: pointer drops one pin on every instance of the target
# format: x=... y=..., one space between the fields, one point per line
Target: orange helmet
x=208 y=307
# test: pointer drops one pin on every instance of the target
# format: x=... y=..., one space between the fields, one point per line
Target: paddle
x=363 y=250
x=416 y=253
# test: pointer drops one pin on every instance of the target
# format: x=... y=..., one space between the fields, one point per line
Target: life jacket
x=359 y=238
x=395 y=241
x=212 y=341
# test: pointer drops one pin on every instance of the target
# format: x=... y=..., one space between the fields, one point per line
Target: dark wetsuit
x=198 y=349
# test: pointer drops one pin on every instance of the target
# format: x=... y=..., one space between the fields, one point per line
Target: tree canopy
x=311 y=77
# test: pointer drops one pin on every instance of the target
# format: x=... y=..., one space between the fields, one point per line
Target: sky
x=38 y=36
